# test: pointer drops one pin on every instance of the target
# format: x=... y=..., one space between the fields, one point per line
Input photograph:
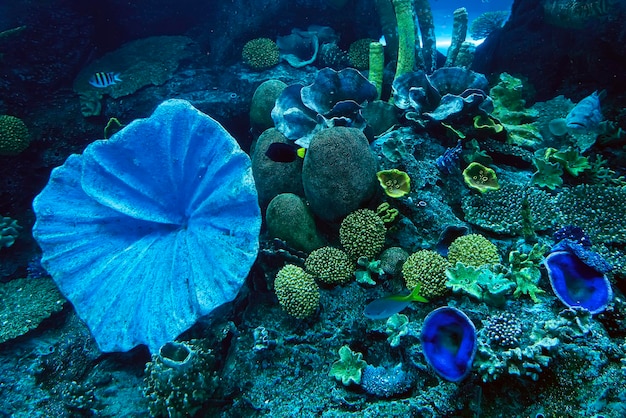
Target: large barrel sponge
x=273 y=178
x=339 y=172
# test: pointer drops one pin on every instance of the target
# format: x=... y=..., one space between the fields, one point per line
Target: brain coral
x=362 y=234
x=297 y=291
x=473 y=250
x=155 y=227
x=339 y=172
x=14 y=136
x=330 y=265
x=260 y=53
x=428 y=269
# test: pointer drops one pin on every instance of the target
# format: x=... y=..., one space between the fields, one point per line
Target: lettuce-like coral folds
x=152 y=229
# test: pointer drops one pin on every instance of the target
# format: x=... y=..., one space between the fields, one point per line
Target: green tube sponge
x=406 y=37
x=377 y=66
x=459 y=32
x=427 y=29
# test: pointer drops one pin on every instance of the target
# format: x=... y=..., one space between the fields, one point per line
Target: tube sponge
x=152 y=229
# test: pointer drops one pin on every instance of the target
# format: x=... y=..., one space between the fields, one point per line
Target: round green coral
x=297 y=291
x=362 y=234
x=359 y=53
x=428 y=269
x=330 y=265
x=473 y=250
x=260 y=53
x=14 y=136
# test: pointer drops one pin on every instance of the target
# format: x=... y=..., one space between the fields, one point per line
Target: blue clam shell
x=152 y=229
x=577 y=284
x=449 y=342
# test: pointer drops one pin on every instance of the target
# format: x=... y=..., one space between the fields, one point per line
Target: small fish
x=382 y=40
x=385 y=307
x=586 y=115
x=281 y=152
x=102 y=79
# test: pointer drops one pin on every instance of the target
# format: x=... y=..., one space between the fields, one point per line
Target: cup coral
x=148 y=231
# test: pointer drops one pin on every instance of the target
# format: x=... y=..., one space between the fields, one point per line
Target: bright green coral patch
x=394 y=182
x=349 y=368
x=481 y=178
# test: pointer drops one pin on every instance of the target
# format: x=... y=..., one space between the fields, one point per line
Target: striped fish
x=102 y=79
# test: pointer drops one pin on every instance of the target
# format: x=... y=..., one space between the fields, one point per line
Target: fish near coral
x=585 y=117
x=385 y=307
x=104 y=79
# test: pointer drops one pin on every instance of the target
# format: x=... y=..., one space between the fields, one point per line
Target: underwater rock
x=289 y=218
x=148 y=231
x=385 y=383
x=273 y=178
x=339 y=172
x=263 y=102
x=576 y=284
x=449 y=342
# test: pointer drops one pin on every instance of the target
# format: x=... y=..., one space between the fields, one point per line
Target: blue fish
x=586 y=115
x=102 y=79
x=385 y=307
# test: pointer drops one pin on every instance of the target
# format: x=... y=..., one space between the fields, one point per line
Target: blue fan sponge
x=152 y=229
x=449 y=342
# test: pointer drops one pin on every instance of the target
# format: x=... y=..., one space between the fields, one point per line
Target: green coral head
x=481 y=178
x=349 y=368
x=394 y=182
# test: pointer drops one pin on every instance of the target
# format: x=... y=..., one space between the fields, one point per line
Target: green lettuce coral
x=482 y=283
x=349 y=368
